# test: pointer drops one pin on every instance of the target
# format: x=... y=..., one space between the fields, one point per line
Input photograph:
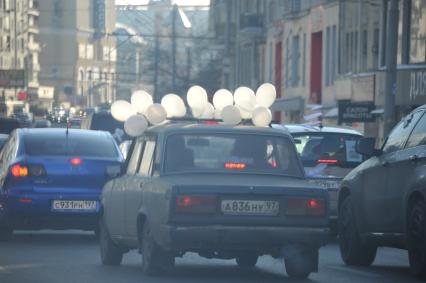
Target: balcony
x=34 y=9
x=251 y=23
x=34 y=46
x=33 y=29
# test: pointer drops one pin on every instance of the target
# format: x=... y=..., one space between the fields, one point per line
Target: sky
x=179 y=2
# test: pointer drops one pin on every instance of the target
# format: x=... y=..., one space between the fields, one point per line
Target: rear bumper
x=218 y=237
x=36 y=212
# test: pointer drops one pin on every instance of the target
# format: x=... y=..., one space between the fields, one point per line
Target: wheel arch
x=343 y=194
x=412 y=199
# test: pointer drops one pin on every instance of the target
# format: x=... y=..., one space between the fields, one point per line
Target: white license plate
x=250 y=207
x=327 y=184
x=74 y=205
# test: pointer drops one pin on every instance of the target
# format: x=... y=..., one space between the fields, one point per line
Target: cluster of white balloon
x=230 y=108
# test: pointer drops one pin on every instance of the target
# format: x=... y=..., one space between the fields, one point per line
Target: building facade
x=78 y=57
x=19 y=50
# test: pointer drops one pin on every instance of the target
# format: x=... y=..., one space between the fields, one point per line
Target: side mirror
x=297 y=141
x=366 y=146
x=113 y=171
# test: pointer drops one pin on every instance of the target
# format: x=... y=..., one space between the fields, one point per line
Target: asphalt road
x=74 y=257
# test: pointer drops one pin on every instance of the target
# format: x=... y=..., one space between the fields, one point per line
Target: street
x=74 y=257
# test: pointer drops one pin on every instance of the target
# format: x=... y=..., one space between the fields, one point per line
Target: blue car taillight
x=21 y=171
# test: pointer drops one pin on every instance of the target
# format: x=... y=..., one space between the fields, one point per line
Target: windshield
x=231 y=153
x=333 y=149
x=71 y=145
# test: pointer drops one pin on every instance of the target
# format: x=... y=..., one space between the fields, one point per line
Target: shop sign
x=350 y=112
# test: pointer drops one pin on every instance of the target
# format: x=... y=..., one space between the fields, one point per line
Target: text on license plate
x=327 y=184
x=85 y=205
x=250 y=207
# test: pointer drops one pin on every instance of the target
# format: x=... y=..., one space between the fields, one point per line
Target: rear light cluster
x=305 y=207
x=196 y=204
x=19 y=170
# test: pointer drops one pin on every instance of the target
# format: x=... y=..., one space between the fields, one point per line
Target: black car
x=7 y=125
x=103 y=121
x=383 y=201
x=219 y=191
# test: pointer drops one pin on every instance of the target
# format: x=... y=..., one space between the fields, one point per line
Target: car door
x=117 y=216
x=377 y=178
x=136 y=185
x=404 y=172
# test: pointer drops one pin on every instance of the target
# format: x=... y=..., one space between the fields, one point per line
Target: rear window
x=105 y=122
x=8 y=125
x=61 y=145
x=244 y=153
x=330 y=148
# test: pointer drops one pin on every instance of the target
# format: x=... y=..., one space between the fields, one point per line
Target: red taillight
x=328 y=161
x=19 y=170
x=211 y=122
x=196 y=204
x=237 y=166
x=76 y=161
x=305 y=206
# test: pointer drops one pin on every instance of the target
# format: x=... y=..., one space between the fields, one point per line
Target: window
x=231 y=153
x=147 y=158
x=400 y=133
x=295 y=59
x=82 y=51
x=304 y=61
x=418 y=31
x=287 y=59
x=334 y=54
x=327 y=56
x=132 y=167
x=71 y=145
x=89 y=51
x=418 y=136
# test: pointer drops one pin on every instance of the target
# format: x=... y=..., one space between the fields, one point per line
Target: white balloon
x=197 y=97
x=265 y=95
x=121 y=110
x=262 y=116
x=156 y=114
x=174 y=105
x=197 y=112
x=141 y=100
x=135 y=125
x=217 y=114
x=222 y=98
x=245 y=99
x=208 y=112
x=245 y=114
x=231 y=115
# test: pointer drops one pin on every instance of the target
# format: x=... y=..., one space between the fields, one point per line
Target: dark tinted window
x=316 y=147
x=399 y=134
x=8 y=125
x=231 y=153
x=71 y=145
x=105 y=122
x=418 y=136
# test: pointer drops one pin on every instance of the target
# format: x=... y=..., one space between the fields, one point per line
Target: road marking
x=354 y=271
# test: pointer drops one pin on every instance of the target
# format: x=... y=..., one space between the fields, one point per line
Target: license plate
x=74 y=205
x=250 y=207
x=327 y=184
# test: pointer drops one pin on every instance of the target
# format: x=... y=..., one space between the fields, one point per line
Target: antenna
x=68 y=126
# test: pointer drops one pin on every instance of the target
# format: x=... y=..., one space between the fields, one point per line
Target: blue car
x=52 y=178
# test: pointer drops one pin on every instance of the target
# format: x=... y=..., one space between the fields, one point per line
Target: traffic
x=221 y=186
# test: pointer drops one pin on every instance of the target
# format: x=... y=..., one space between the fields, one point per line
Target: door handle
x=414 y=158
x=385 y=163
x=141 y=184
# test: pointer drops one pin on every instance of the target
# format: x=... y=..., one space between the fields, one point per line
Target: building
x=78 y=57
x=19 y=50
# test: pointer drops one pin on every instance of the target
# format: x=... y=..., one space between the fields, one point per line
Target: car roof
x=295 y=128
x=172 y=127
x=54 y=132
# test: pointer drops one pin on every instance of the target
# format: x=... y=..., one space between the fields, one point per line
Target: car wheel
x=247 y=260
x=352 y=250
x=5 y=233
x=300 y=264
x=416 y=239
x=154 y=259
x=111 y=254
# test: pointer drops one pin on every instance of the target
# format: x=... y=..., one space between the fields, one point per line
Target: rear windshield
x=8 y=125
x=61 y=145
x=105 y=122
x=328 y=148
x=244 y=153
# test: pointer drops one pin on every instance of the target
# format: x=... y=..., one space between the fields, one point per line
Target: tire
x=352 y=250
x=111 y=254
x=6 y=233
x=247 y=261
x=300 y=265
x=416 y=239
x=154 y=260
